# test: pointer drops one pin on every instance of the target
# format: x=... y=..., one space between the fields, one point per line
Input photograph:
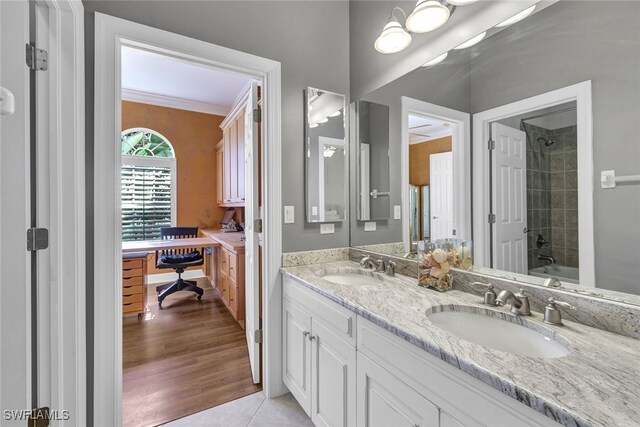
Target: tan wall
x=419 y=153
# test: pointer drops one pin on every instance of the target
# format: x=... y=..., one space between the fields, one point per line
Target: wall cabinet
x=345 y=370
x=231 y=157
x=231 y=282
x=220 y=173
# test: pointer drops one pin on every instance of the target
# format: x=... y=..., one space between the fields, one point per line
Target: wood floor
x=190 y=356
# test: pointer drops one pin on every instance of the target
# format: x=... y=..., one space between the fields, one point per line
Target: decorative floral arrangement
x=435 y=263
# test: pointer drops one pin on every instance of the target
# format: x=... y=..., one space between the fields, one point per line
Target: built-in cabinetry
x=134 y=267
x=231 y=282
x=230 y=157
x=345 y=370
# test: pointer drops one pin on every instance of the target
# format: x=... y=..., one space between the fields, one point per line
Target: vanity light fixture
x=436 y=60
x=313 y=125
x=473 y=41
x=394 y=38
x=335 y=114
x=517 y=17
x=428 y=15
x=323 y=120
x=461 y=2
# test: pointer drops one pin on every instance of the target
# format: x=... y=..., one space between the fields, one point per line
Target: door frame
x=579 y=93
x=461 y=149
x=110 y=34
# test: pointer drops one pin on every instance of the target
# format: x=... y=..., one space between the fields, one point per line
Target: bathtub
x=561 y=272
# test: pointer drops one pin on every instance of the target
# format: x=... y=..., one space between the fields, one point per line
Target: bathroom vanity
x=362 y=348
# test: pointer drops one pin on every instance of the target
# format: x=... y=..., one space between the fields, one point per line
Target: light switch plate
x=370 y=226
x=397 y=212
x=314 y=210
x=289 y=217
x=327 y=228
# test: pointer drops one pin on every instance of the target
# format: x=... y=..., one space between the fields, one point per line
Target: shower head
x=547 y=142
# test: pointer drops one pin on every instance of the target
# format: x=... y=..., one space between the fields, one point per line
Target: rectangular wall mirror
x=547 y=119
x=326 y=154
x=371 y=136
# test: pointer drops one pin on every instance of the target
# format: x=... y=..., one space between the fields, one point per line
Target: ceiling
x=162 y=80
x=426 y=129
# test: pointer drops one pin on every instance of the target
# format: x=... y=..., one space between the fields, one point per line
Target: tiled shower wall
x=552 y=197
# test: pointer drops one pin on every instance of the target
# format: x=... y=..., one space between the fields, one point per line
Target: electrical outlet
x=327 y=228
x=289 y=217
x=370 y=226
x=397 y=212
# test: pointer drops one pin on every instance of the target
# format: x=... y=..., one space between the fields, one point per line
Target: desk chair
x=178 y=259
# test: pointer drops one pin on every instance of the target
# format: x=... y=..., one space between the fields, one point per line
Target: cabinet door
x=384 y=400
x=333 y=367
x=240 y=170
x=227 y=165
x=296 y=363
x=220 y=176
x=233 y=299
x=233 y=171
x=447 y=420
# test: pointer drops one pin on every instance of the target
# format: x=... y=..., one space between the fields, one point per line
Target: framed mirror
x=326 y=156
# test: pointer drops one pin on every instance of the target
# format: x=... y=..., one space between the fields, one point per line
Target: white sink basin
x=500 y=331
x=351 y=276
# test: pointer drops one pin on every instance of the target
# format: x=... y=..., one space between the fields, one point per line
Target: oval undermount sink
x=500 y=331
x=350 y=276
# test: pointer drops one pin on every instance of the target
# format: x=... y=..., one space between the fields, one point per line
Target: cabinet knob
x=312 y=337
x=305 y=333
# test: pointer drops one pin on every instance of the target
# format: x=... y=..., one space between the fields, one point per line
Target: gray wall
x=568 y=43
x=309 y=38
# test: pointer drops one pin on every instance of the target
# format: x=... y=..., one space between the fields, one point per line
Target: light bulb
x=427 y=16
x=393 y=38
x=461 y=2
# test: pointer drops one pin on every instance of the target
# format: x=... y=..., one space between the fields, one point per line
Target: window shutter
x=146 y=201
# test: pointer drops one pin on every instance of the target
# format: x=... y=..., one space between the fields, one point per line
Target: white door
x=333 y=367
x=15 y=207
x=509 y=178
x=384 y=400
x=252 y=273
x=296 y=353
x=441 y=189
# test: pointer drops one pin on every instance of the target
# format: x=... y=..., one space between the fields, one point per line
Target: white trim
x=238 y=108
x=110 y=34
x=138 y=129
x=154 y=279
x=460 y=146
x=581 y=94
x=173 y=102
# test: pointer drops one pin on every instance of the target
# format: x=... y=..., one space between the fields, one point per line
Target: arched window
x=148 y=184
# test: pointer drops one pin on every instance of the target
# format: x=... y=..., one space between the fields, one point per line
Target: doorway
x=111 y=35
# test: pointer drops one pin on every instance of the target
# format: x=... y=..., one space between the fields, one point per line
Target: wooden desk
x=158 y=245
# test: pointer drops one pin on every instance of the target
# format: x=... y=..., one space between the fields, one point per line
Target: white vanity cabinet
x=319 y=357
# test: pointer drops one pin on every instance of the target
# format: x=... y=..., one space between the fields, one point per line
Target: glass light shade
x=517 y=17
x=427 y=16
x=393 y=38
x=436 y=60
x=473 y=41
x=335 y=114
x=323 y=120
x=461 y=2
x=313 y=125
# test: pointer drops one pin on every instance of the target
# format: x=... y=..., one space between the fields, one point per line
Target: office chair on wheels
x=179 y=260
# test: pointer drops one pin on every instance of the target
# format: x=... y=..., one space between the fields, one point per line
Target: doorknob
x=525 y=230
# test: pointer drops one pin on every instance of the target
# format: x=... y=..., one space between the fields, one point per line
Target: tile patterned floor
x=250 y=411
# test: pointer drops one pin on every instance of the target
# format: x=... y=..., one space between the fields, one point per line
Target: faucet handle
x=552 y=301
x=551 y=313
x=381 y=265
x=391 y=269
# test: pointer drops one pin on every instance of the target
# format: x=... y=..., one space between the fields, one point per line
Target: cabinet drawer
x=131 y=272
x=224 y=262
x=132 y=307
x=128 y=264
x=131 y=281
x=233 y=266
x=133 y=289
x=339 y=320
x=128 y=299
x=233 y=300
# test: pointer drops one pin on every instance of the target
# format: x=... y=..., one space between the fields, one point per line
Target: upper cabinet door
x=233 y=160
x=220 y=176
x=240 y=153
x=227 y=165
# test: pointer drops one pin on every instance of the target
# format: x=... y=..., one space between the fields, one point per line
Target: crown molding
x=173 y=102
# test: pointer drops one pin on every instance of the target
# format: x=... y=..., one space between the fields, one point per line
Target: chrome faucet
x=391 y=269
x=549 y=258
x=370 y=263
x=551 y=313
x=519 y=302
x=551 y=282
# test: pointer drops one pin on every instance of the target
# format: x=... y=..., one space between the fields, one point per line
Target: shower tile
x=544 y=218
x=559 y=255
x=557 y=218
x=557 y=162
x=557 y=180
x=571 y=160
x=557 y=200
x=571 y=199
x=572 y=239
x=571 y=219
x=558 y=236
x=572 y=258
x=571 y=180
x=545 y=180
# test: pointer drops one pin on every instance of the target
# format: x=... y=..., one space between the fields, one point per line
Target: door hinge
x=257 y=225
x=257 y=115
x=39 y=417
x=492 y=218
x=491 y=145
x=258 y=336
x=37 y=239
x=37 y=59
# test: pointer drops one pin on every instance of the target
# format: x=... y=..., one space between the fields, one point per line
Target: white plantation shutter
x=148 y=189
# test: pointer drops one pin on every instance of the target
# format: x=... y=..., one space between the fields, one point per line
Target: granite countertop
x=598 y=383
x=231 y=241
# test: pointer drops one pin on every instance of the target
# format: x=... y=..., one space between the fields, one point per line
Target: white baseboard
x=153 y=279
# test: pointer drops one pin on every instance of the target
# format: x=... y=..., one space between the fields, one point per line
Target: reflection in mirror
x=372 y=160
x=555 y=118
x=326 y=156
